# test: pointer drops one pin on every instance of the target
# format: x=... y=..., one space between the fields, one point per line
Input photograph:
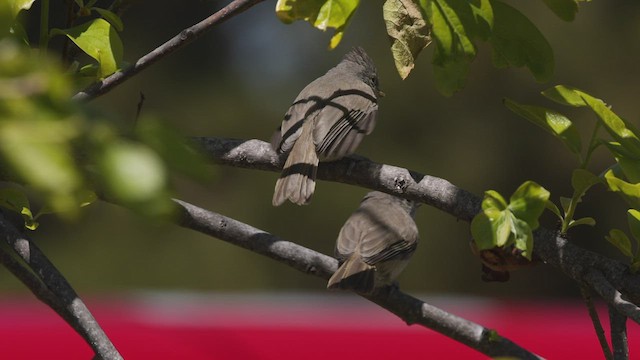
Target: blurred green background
x=239 y=79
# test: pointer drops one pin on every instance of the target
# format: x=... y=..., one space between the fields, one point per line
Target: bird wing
x=343 y=121
x=378 y=232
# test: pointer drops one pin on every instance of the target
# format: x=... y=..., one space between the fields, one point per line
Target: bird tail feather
x=353 y=274
x=298 y=179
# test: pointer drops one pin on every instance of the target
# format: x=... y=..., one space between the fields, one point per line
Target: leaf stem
x=593 y=144
x=44 y=26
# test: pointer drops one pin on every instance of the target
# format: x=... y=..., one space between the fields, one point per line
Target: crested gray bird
x=326 y=122
x=375 y=243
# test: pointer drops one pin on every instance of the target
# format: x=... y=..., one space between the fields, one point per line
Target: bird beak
x=381 y=93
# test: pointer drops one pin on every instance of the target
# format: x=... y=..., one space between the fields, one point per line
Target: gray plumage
x=326 y=122
x=375 y=243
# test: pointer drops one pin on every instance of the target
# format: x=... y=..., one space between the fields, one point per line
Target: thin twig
x=75 y=311
x=595 y=319
x=185 y=37
x=619 y=340
x=408 y=308
x=549 y=246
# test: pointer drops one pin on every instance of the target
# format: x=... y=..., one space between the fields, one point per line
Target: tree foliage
x=66 y=154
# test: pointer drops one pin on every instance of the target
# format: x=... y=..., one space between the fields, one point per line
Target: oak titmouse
x=375 y=243
x=327 y=121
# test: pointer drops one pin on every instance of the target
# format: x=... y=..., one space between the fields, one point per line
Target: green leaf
x=629 y=192
x=39 y=152
x=631 y=168
x=517 y=42
x=173 y=148
x=408 y=32
x=132 y=173
x=621 y=241
x=13 y=199
x=565 y=95
x=491 y=232
x=528 y=202
x=482 y=232
x=622 y=131
x=553 y=122
x=451 y=20
x=554 y=209
x=322 y=14
x=452 y=24
x=29 y=221
x=633 y=218
x=565 y=202
x=19 y=5
x=523 y=237
x=16 y=200
x=635 y=266
x=564 y=9
x=450 y=75
x=98 y=39
x=582 y=221
x=493 y=199
x=483 y=14
x=111 y=17
x=582 y=180
x=619 y=151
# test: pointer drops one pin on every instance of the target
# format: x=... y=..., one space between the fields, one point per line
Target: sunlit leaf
x=523 y=237
x=565 y=95
x=16 y=200
x=19 y=5
x=582 y=221
x=501 y=225
x=98 y=39
x=629 y=192
x=322 y=14
x=528 y=202
x=624 y=132
x=553 y=122
x=518 y=42
x=493 y=199
x=408 y=32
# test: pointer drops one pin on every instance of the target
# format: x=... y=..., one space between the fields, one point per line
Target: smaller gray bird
x=375 y=243
x=326 y=122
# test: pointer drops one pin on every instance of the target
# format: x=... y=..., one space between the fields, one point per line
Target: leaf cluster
x=454 y=26
x=622 y=140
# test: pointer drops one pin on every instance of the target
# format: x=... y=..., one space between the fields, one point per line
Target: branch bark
x=46 y=282
x=553 y=249
x=185 y=37
x=408 y=308
x=619 y=340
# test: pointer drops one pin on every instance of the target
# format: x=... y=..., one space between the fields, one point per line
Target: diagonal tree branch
x=185 y=37
x=408 y=308
x=619 y=340
x=553 y=249
x=595 y=320
x=53 y=289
